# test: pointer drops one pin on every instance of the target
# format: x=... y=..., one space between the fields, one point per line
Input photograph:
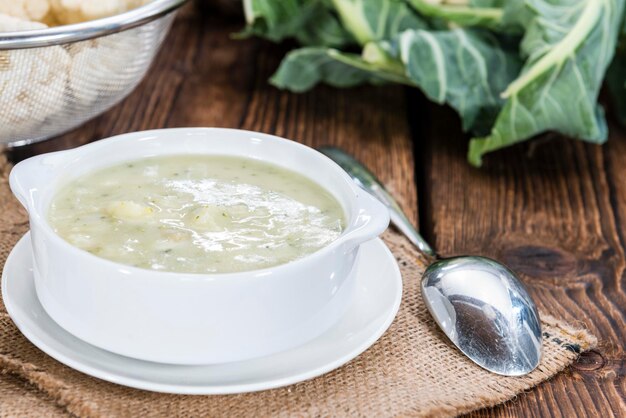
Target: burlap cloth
x=411 y=371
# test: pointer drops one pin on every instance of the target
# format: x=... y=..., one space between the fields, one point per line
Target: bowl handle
x=32 y=174
x=372 y=220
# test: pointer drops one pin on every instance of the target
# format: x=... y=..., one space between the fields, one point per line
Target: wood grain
x=553 y=212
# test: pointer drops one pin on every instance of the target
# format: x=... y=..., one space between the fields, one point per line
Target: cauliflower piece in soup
x=128 y=210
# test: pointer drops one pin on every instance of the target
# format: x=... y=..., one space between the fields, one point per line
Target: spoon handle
x=364 y=178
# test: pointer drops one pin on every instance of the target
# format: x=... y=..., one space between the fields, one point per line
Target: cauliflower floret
x=75 y=11
x=128 y=210
x=12 y=23
x=33 y=10
x=32 y=82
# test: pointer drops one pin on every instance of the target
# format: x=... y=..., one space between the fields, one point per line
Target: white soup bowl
x=183 y=318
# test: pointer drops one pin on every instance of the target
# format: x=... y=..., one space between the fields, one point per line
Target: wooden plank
x=554 y=212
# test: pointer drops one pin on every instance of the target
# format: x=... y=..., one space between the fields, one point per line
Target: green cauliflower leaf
x=568 y=46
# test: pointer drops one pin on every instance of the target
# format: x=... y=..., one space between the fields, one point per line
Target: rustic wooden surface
x=554 y=211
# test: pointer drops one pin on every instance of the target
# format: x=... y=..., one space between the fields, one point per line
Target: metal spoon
x=479 y=303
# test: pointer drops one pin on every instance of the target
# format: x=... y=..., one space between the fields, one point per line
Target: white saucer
x=376 y=302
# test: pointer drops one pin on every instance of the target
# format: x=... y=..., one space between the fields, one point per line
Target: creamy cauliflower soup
x=196 y=214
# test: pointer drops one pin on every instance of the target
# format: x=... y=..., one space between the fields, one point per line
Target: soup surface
x=196 y=214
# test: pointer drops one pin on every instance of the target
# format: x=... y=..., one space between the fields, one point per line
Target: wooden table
x=554 y=211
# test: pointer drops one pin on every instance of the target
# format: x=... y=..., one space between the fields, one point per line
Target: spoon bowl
x=479 y=303
x=485 y=311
